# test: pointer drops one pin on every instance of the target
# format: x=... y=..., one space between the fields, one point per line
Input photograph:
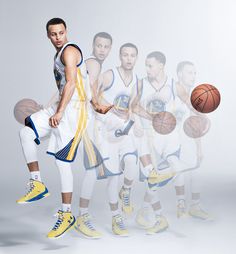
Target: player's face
x=187 y=75
x=101 y=48
x=57 y=35
x=153 y=67
x=128 y=57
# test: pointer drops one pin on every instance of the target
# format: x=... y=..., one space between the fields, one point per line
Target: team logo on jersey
x=155 y=106
x=58 y=78
x=121 y=102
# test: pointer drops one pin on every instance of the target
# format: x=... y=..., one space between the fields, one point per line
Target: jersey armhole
x=73 y=45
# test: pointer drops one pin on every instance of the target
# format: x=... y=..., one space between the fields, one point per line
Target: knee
x=26 y=133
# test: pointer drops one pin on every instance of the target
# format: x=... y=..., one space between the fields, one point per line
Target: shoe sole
x=35 y=199
x=65 y=231
x=86 y=236
x=153 y=233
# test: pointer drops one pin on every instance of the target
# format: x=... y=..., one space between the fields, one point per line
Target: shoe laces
x=31 y=187
x=126 y=197
x=60 y=219
x=181 y=205
x=87 y=221
x=119 y=221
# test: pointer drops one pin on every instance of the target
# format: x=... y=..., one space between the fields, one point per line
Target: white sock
x=83 y=211
x=35 y=175
x=66 y=207
x=180 y=197
x=146 y=204
x=157 y=212
x=114 y=213
x=146 y=170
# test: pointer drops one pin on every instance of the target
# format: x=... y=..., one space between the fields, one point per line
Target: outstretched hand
x=102 y=109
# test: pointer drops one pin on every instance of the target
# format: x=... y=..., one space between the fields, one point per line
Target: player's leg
x=118 y=226
x=130 y=171
x=179 y=184
x=196 y=209
x=37 y=127
x=65 y=219
x=84 y=224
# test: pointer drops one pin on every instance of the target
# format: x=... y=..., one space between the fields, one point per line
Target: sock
x=114 y=213
x=83 y=211
x=146 y=170
x=66 y=207
x=157 y=212
x=126 y=186
x=180 y=197
x=146 y=204
x=35 y=175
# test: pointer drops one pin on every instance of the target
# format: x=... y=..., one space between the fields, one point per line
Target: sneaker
x=84 y=225
x=124 y=195
x=160 y=225
x=118 y=226
x=181 y=209
x=37 y=190
x=143 y=218
x=158 y=180
x=65 y=222
x=197 y=212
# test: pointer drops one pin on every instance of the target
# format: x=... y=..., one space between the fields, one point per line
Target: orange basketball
x=196 y=126
x=25 y=108
x=205 y=98
x=164 y=122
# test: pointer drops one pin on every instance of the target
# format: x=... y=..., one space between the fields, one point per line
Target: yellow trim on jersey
x=82 y=118
x=89 y=149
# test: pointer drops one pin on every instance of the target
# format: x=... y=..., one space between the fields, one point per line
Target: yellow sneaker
x=37 y=190
x=197 y=212
x=84 y=225
x=118 y=226
x=124 y=195
x=181 y=209
x=158 y=180
x=160 y=225
x=143 y=218
x=65 y=222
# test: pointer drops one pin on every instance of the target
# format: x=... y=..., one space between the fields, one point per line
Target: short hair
x=102 y=35
x=181 y=65
x=55 y=21
x=159 y=56
x=128 y=45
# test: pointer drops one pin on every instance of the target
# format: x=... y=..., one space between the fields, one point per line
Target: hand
x=55 y=119
x=102 y=109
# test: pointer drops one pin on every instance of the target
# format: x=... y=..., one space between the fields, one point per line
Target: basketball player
x=118 y=87
x=102 y=43
x=186 y=74
x=157 y=152
x=65 y=122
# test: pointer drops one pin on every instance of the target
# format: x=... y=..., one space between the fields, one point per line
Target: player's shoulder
x=92 y=63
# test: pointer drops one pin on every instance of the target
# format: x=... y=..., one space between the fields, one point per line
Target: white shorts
x=64 y=139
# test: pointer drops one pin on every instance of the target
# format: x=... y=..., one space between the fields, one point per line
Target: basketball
x=205 y=98
x=164 y=122
x=196 y=126
x=25 y=108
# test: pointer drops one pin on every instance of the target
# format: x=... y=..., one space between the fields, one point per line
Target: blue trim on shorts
x=60 y=159
x=29 y=123
x=135 y=153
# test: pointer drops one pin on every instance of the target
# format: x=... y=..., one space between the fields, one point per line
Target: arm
x=71 y=57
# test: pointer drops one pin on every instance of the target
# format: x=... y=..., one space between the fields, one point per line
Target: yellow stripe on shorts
x=82 y=118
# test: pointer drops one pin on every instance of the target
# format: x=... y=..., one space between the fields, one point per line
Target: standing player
x=102 y=43
x=156 y=152
x=64 y=121
x=119 y=87
x=186 y=74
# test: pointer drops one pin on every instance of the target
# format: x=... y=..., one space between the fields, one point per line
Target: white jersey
x=59 y=73
x=64 y=139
